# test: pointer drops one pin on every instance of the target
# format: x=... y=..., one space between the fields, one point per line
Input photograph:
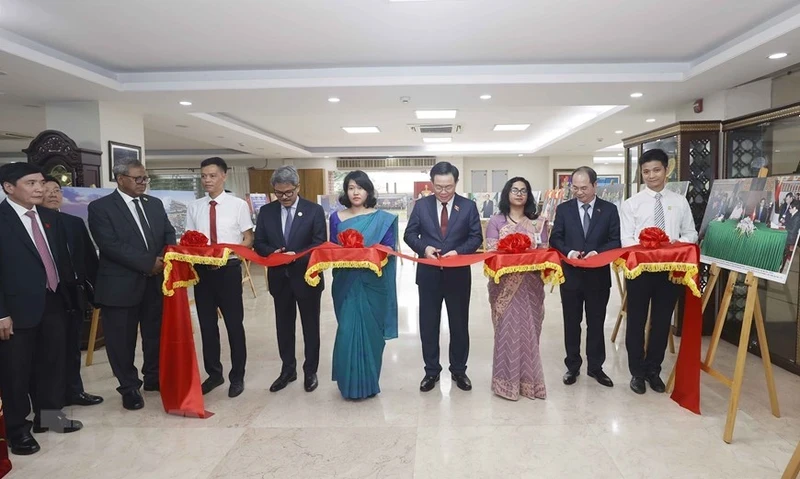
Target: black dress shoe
x=571 y=377
x=236 y=389
x=428 y=383
x=151 y=387
x=656 y=384
x=211 y=384
x=637 y=385
x=84 y=399
x=24 y=446
x=282 y=381
x=601 y=378
x=60 y=424
x=132 y=400
x=462 y=381
x=311 y=382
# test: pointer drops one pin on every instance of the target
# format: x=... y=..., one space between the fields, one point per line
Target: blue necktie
x=288 y=228
x=586 y=218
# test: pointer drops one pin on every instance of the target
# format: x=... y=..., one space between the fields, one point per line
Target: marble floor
x=580 y=431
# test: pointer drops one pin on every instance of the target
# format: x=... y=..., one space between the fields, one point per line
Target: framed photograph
x=562 y=179
x=605 y=180
x=119 y=152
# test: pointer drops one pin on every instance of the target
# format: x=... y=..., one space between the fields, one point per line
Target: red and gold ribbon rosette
x=349 y=253
x=514 y=255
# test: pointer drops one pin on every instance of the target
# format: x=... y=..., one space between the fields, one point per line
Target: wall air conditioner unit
x=435 y=129
x=379 y=163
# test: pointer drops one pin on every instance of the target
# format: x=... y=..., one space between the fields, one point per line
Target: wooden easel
x=752 y=310
x=793 y=468
x=247 y=278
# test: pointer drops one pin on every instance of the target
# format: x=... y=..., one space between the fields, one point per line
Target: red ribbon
x=5 y=463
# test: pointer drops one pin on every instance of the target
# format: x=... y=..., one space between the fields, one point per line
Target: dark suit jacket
x=603 y=235
x=764 y=215
x=125 y=262
x=464 y=234
x=308 y=230
x=488 y=208
x=84 y=257
x=23 y=280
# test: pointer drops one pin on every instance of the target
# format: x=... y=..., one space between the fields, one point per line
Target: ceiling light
x=778 y=56
x=517 y=127
x=185 y=103
x=361 y=129
x=333 y=99
x=520 y=154
x=637 y=95
x=619 y=132
x=777 y=151
x=486 y=97
x=650 y=120
x=605 y=163
x=436 y=114
x=440 y=139
x=327 y=157
x=619 y=154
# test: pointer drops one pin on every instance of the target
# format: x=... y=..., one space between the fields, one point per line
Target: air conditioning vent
x=7 y=135
x=379 y=163
x=434 y=129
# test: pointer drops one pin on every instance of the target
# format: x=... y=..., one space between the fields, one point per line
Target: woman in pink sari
x=518 y=301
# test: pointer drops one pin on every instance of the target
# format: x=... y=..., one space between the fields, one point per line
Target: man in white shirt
x=224 y=219
x=653 y=206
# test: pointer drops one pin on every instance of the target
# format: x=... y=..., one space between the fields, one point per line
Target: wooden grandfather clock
x=58 y=156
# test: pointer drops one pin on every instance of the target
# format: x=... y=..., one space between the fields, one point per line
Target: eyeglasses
x=519 y=191
x=139 y=180
x=582 y=189
x=285 y=194
x=440 y=189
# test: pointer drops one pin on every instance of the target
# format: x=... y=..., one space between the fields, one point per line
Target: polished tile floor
x=580 y=431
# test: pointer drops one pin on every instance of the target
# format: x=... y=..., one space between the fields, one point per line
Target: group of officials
x=49 y=273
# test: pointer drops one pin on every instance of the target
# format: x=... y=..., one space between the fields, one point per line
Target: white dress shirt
x=284 y=214
x=26 y=222
x=439 y=207
x=132 y=207
x=638 y=213
x=233 y=218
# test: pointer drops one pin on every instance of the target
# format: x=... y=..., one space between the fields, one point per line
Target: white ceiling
x=259 y=73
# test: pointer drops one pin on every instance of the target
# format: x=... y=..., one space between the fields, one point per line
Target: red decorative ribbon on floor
x=5 y=463
x=180 y=379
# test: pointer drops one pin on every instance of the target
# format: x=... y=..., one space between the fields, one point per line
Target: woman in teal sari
x=365 y=304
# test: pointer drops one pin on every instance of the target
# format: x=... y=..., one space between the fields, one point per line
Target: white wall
x=732 y=103
x=120 y=126
x=534 y=169
x=786 y=90
x=79 y=120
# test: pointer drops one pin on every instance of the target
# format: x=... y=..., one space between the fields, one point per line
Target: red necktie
x=44 y=252
x=443 y=220
x=213 y=221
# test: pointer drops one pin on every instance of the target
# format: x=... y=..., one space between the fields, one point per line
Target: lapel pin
x=455 y=207
x=299 y=213
x=144 y=198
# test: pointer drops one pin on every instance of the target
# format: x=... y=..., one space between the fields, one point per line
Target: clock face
x=61 y=174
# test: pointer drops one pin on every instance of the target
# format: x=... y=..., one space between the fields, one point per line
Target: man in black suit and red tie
x=292 y=225
x=131 y=230
x=442 y=225
x=37 y=287
x=84 y=261
x=585 y=226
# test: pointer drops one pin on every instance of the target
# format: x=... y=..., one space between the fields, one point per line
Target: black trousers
x=287 y=301
x=74 y=383
x=573 y=304
x=451 y=285
x=221 y=288
x=121 y=328
x=647 y=289
x=32 y=369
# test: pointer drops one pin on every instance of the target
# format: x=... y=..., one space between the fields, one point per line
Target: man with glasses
x=585 y=226
x=131 y=230
x=441 y=225
x=292 y=225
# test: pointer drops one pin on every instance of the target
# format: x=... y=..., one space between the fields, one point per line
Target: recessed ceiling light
x=182 y=126
x=605 y=163
x=361 y=129
x=619 y=132
x=777 y=151
x=637 y=95
x=333 y=99
x=650 y=120
x=516 y=127
x=439 y=139
x=619 y=154
x=185 y=103
x=520 y=154
x=486 y=97
x=436 y=114
x=327 y=157
x=778 y=56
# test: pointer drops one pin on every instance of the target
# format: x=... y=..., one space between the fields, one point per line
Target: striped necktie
x=659 y=213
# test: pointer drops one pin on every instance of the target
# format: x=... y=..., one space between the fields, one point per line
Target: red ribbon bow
x=194 y=238
x=351 y=239
x=514 y=243
x=653 y=237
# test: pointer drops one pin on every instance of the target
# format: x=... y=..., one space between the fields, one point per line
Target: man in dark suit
x=763 y=212
x=444 y=224
x=36 y=289
x=585 y=226
x=488 y=207
x=292 y=225
x=131 y=230
x=84 y=262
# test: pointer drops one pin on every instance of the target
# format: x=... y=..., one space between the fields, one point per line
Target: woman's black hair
x=361 y=179
x=530 y=204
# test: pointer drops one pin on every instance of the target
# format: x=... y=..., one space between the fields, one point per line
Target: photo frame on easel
x=119 y=152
